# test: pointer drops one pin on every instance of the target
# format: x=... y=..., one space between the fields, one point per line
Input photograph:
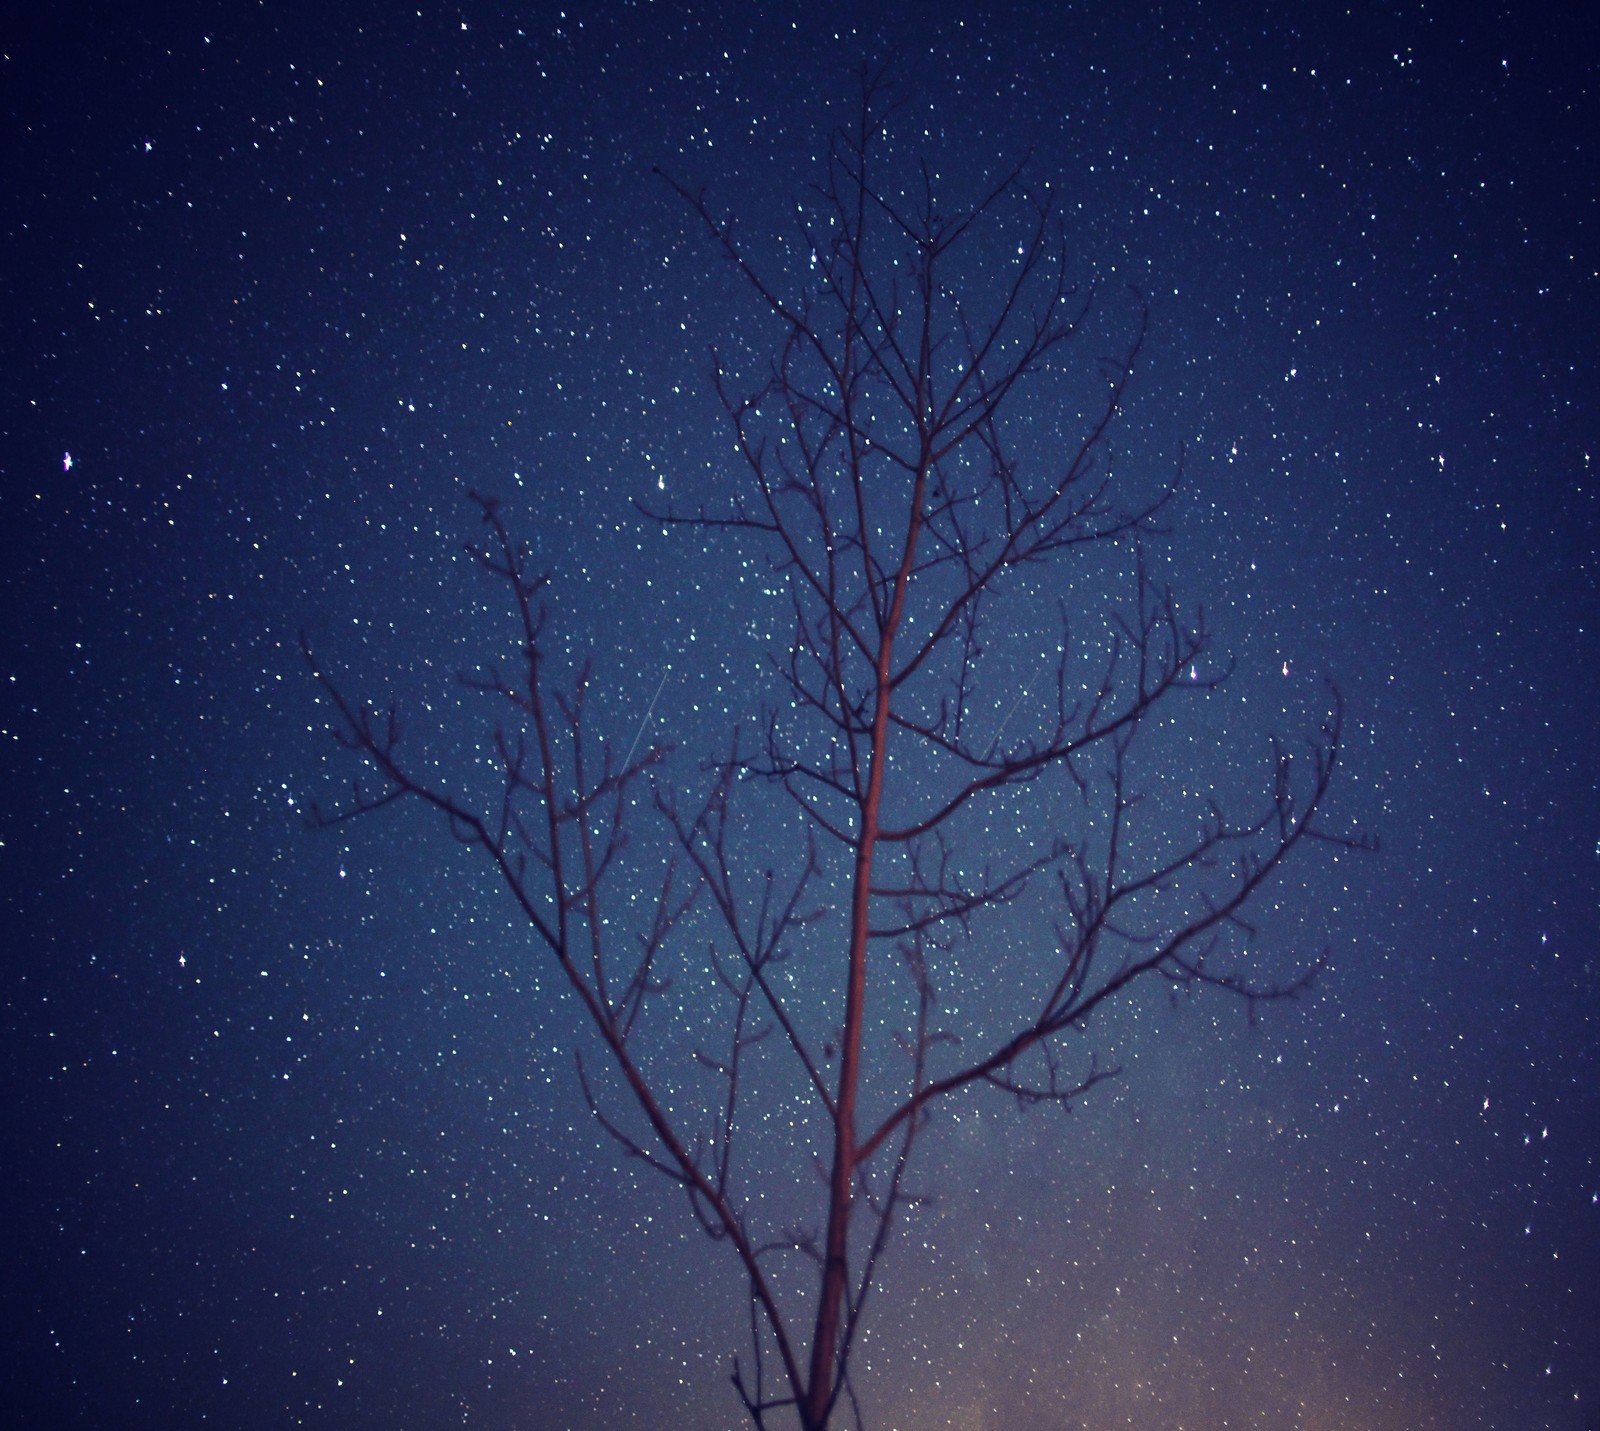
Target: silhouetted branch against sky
x=922 y=493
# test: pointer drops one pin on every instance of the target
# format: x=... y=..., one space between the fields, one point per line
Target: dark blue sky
x=296 y=1138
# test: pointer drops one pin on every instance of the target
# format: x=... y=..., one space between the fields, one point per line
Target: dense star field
x=295 y=1137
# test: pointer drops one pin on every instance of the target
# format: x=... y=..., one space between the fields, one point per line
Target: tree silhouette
x=891 y=478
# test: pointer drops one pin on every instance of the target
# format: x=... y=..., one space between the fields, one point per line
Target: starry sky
x=294 y=1134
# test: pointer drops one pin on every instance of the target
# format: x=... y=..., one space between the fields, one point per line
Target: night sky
x=294 y=1137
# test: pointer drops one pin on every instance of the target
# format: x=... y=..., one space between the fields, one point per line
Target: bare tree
x=888 y=479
